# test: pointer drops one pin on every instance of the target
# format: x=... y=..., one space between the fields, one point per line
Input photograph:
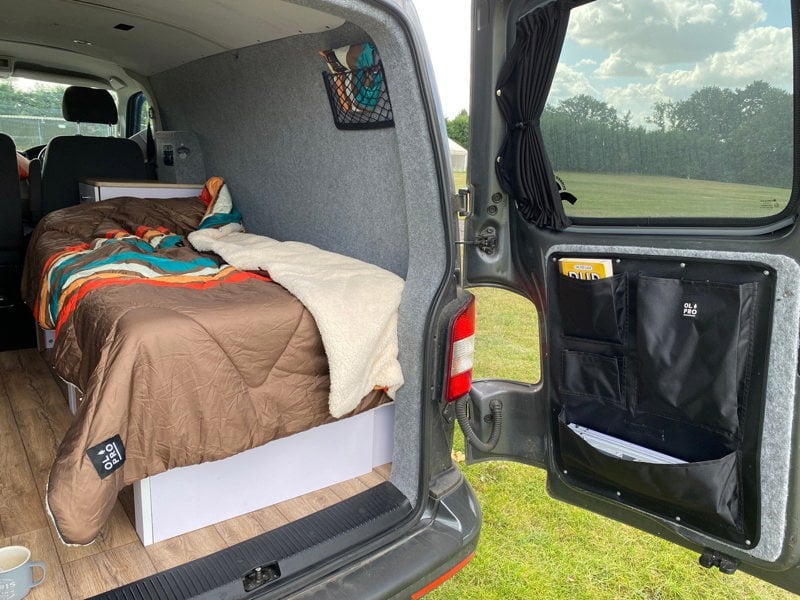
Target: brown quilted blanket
x=171 y=376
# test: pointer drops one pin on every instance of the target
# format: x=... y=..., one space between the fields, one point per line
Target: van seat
x=67 y=159
x=10 y=202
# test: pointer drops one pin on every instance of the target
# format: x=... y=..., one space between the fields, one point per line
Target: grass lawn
x=460 y=178
x=603 y=195
x=534 y=547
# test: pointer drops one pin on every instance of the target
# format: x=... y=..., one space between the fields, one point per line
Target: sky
x=446 y=24
x=633 y=53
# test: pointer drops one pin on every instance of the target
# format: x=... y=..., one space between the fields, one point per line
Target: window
x=30 y=112
x=138 y=113
x=674 y=109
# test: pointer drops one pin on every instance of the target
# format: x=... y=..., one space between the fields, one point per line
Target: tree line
x=718 y=134
x=33 y=116
x=41 y=101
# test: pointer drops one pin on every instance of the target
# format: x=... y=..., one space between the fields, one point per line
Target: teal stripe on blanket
x=216 y=219
x=79 y=265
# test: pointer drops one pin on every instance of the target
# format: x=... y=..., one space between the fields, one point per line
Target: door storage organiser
x=659 y=375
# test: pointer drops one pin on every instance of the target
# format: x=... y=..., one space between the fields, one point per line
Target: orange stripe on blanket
x=43 y=291
x=228 y=275
x=75 y=285
x=67 y=250
x=179 y=279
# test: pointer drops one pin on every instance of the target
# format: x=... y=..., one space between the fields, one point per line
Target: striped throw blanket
x=149 y=256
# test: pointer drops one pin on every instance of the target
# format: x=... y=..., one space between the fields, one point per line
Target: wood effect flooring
x=33 y=419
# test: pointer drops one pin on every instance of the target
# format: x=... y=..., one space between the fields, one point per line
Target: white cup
x=16 y=572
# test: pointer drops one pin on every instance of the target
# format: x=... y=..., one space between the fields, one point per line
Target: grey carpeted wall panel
x=265 y=124
x=292 y=174
x=779 y=410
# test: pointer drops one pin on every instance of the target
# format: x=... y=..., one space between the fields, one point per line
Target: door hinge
x=486 y=240
x=463 y=200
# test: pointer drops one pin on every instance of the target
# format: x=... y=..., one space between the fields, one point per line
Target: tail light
x=462 y=352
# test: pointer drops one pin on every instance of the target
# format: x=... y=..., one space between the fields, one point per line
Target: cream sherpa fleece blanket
x=353 y=303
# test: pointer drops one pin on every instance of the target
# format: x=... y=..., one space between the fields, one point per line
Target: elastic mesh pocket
x=359 y=98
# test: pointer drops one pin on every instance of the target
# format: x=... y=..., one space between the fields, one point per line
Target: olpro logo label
x=690 y=309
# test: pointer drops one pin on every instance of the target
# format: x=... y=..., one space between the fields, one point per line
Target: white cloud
x=761 y=53
x=664 y=31
x=619 y=65
x=570 y=82
x=654 y=51
x=638 y=98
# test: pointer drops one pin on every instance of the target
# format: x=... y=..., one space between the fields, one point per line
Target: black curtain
x=523 y=85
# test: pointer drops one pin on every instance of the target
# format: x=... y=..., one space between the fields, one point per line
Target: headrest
x=88 y=105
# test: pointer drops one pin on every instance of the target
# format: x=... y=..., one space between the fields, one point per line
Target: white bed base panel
x=189 y=498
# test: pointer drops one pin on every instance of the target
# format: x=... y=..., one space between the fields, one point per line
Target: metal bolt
x=683 y=265
x=492 y=210
x=497 y=197
x=766 y=273
x=498 y=93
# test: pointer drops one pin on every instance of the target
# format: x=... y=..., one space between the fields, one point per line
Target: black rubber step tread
x=349 y=522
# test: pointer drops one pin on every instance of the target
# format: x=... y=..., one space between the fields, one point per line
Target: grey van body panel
x=274 y=141
x=445 y=536
x=528 y=439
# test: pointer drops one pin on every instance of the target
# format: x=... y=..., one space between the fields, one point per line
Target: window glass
x=30 y=112
x=141 y=113
x=674 y=108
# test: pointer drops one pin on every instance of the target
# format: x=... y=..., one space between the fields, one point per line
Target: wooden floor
x=33 y=419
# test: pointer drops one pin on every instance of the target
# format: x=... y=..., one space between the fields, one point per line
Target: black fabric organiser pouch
x=661 y=358
x=693 y=340
x=594 y=308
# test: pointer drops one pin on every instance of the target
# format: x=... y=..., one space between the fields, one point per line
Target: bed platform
x=295 y=465
x=189 y=498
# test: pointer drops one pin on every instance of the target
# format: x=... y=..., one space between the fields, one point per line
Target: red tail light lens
x=462 y=352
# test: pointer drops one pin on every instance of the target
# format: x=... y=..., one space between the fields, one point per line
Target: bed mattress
x=172 y=375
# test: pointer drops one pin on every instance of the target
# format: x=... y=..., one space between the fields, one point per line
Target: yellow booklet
x=586 y=268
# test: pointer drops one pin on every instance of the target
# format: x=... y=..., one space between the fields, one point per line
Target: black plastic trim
x=446 y=535
x=606 y=228
x=295 y=546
